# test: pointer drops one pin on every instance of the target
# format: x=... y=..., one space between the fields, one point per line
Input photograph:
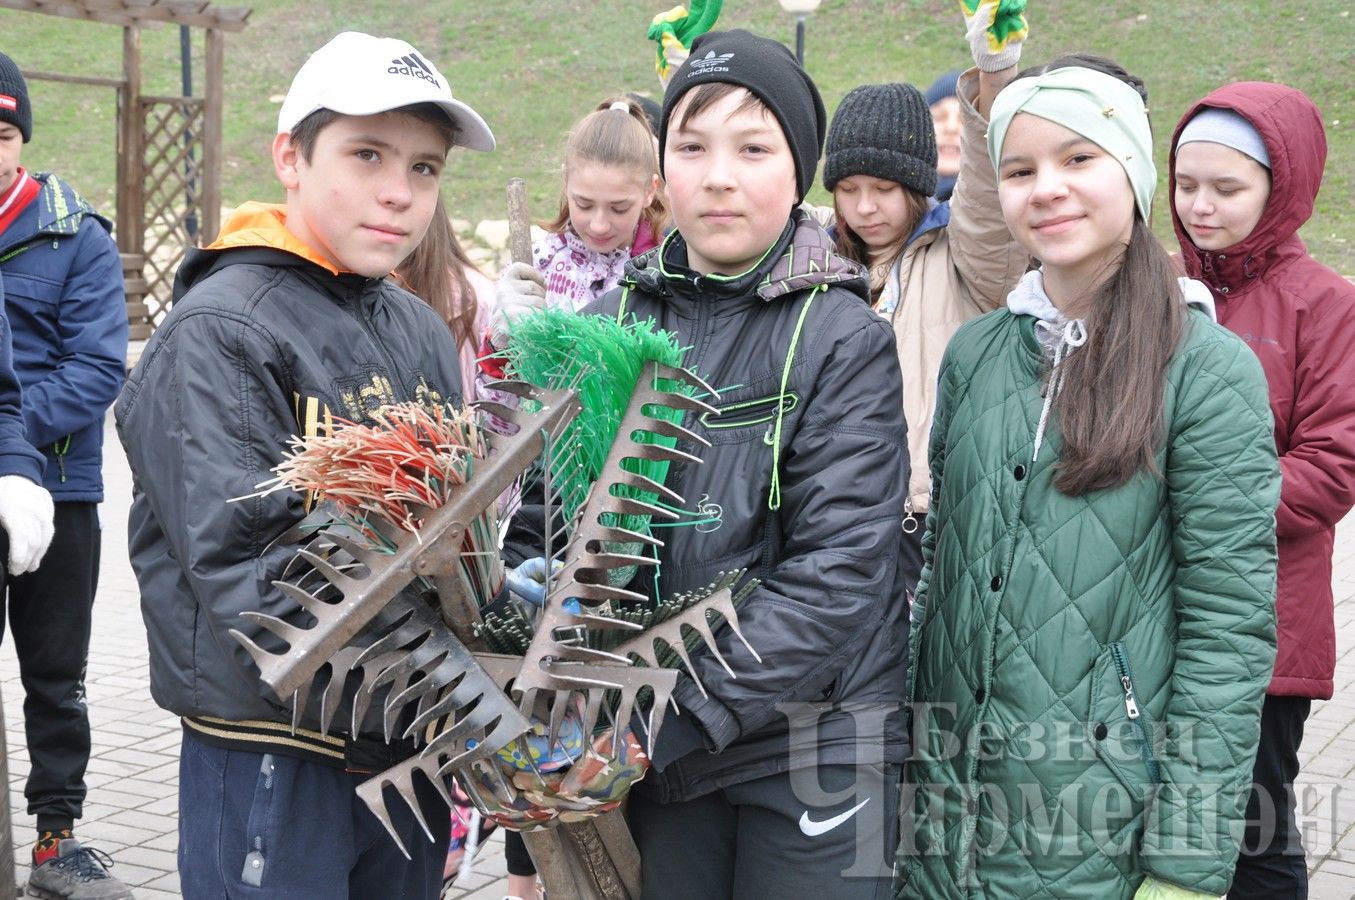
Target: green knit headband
x=1101 y=108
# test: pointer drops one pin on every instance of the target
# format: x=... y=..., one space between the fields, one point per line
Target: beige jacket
x=948 y=276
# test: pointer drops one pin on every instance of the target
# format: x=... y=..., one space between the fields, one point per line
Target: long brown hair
x=850 y=245
x=611 y=137
x=1112 y=390
x=436 y=273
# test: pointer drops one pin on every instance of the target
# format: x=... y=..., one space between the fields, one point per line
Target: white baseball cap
x=360 y=75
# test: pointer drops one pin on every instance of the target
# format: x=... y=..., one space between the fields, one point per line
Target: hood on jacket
x=251 y=226
x=1291 y=127
x=802 y=258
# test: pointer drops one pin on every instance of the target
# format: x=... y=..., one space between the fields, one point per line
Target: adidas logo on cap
x=708 y=64
x=411 y=64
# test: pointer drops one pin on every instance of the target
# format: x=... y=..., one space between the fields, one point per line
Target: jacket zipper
x=396 y=385
x=1131 y=708
x=11 y=252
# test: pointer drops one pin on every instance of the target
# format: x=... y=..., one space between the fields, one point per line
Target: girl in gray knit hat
x=933 y=266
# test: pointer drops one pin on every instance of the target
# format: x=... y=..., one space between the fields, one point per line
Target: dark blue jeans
x=255 y=825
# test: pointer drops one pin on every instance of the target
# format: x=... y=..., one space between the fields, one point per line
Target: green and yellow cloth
x=673 y=31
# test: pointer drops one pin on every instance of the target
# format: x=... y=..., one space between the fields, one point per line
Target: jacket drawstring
x=1074 y=336
x=773 y=435
x=59 y=450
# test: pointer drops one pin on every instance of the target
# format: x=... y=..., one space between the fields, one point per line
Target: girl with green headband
x=1094 y=625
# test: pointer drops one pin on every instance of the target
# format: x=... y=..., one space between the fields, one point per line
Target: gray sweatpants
x=822 y=833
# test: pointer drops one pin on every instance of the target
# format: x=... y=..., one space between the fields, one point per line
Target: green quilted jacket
x=1088 y=671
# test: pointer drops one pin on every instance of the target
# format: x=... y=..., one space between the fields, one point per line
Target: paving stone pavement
x=133 y=775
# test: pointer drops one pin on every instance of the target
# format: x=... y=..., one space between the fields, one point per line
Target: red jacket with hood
x=1298 y=316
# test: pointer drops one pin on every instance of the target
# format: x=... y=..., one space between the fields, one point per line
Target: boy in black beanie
x=780 y=779
x=61 y=284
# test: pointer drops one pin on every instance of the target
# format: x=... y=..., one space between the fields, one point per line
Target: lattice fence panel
x=172 y=141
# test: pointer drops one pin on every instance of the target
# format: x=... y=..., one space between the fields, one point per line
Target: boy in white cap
x=282 y=323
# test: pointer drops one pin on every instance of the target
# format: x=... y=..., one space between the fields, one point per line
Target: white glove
x=519 y=290
x=26 y=516
x=675 y=54
x=990 y=54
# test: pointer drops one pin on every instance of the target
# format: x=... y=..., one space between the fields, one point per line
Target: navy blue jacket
x=17 y=457
x=62 y=283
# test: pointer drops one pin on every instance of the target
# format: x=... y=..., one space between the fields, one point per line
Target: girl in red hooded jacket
x=1246 y=164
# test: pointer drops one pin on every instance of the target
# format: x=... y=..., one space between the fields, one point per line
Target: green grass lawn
x=531 y=67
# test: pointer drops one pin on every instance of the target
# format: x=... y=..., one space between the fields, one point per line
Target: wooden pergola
x=169 y=158
x=152 y=152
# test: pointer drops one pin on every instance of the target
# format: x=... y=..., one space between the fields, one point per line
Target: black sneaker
x=77 y=873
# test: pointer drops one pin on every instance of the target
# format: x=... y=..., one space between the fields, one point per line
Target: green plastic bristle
x=601 y=359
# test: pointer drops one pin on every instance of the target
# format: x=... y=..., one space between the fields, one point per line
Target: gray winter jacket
x=829 y=618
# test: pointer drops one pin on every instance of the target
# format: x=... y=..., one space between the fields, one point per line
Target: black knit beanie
x=884 y=131
x=14 y=107
x=767 y=70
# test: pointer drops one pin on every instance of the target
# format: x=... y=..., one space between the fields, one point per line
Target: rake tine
x=393 y=712
x=274 y=626
x=262 y=657
x=703 y=627
x=633 y=507
x=680 y=648
x=649 y=485
x=350 y=545
x=558 y=711
x=331 y=574
x=300 y=697
x=592 y=710
x=376 y=803
x=623 y=713
x=308 y=601
x=663 y=428
x=733 y=622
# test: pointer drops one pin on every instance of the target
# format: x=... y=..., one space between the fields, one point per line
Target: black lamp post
x=801 y=10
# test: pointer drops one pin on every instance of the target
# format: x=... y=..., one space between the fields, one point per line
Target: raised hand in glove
x=675 y=29
x=996 y=29
x=528 y=581
x=26 y=516
x=519 y=290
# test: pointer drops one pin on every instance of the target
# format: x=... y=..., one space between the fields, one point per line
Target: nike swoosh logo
x=813 y=829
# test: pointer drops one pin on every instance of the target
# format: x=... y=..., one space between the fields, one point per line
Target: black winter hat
x=767 y=70
x=884 y=131
x=14 y=107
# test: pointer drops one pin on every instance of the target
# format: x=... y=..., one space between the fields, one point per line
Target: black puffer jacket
x=829 y=618
x=260 y=344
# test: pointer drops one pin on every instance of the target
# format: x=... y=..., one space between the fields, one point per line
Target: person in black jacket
x=780 y=780
x=283 y=323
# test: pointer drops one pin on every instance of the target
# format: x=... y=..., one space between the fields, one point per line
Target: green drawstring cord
x=774 y=436
x=61 y=448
